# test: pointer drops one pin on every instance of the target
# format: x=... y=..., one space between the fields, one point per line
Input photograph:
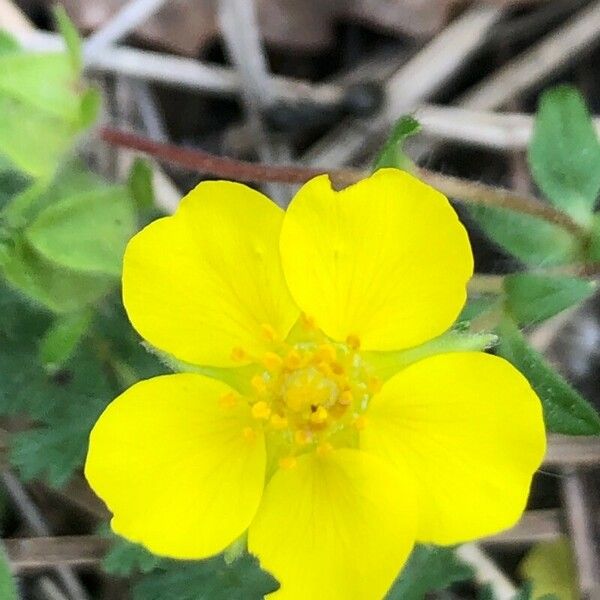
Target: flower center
x=311 y=394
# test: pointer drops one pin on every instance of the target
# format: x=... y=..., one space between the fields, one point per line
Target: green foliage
x=531 y=240
x=125 y=558
x=428 y=569
x=71 y=36
x=140 y=185
x=8 y=588
x=211 y=579
x=565 y=410
x=532 y=298
x=564 y=154
x=85 y=232
x=550 y=569
x=392 y=153
x=61 y=339
x=40 y=107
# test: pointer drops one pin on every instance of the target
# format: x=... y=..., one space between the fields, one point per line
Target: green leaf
x=8 y=43
x=565 y=410
x=140 y=185
x=534 y=298
x=550 y=568
x=429 y=568
x=86 y=232
x=392 y=154
x=71 y=36
x=125 y=558
x=564 y=154
x=61 y=340
x=528 y=238
x=33 y=140
x=91 y=101
x=58 y=289
x=8 y=588
x=208 y=579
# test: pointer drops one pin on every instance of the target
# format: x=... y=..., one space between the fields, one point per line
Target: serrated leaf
x=565 y=410
x=140 y=185
x=550 y=568
x=531 y=240
x=124 y=558
x=532 y=298
x=87 y=232
x=8 y=588
x=208 y=579
x=71 y=36
x=58 y=289
x=61 y=340
x=429 y=568
x=564 y=154
x=392 y=154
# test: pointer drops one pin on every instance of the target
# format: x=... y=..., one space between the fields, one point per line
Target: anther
x=249 y=434
x=346 y=398
x=319 y=416
x=308 y=322
x=288 y=462
x=360 y=422
x=259 y=384
x=228 y=400
x=278 y=422
x=324 y=449
x=261 y=410
x=326 y=352
x=268 y=332
x=353 y=341
x=272 y=361
x=302 y=437
x=238 y=354
x=293 y=360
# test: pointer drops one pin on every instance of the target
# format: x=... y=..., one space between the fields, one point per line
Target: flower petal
x=206 y=280
x=386 y=260
x=335 y=527
x=471 y=429
x=173 y=465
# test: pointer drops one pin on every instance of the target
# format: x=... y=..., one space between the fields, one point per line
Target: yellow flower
x=333 y=474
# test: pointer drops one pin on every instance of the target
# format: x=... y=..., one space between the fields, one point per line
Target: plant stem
x=462 y=190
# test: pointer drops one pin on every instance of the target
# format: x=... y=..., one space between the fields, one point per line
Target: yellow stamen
x=228 y=400
x=337 y=368
x=288 y=462
x=259 y=384
x=302 y=437
x=346 y=398
x=326 y=352
x=374 y=385
x=268 y=332
x=319 y=416
x=273 y=362
x=238 y=354
x=261 y=410
x=278 y=422
x=360 y=422
x=308 y=322
x=353 y=341
x=249 y=434
x=293 y=360
x=324 y=449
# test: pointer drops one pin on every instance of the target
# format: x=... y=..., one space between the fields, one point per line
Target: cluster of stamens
x=309 y=394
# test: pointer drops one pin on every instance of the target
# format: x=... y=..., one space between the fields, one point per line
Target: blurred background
x=314 y=83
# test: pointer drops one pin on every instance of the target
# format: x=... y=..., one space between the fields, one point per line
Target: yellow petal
x=337 y=526
x=470 y=427
x=385 y=261
x=207 y=281
x=172 y=462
